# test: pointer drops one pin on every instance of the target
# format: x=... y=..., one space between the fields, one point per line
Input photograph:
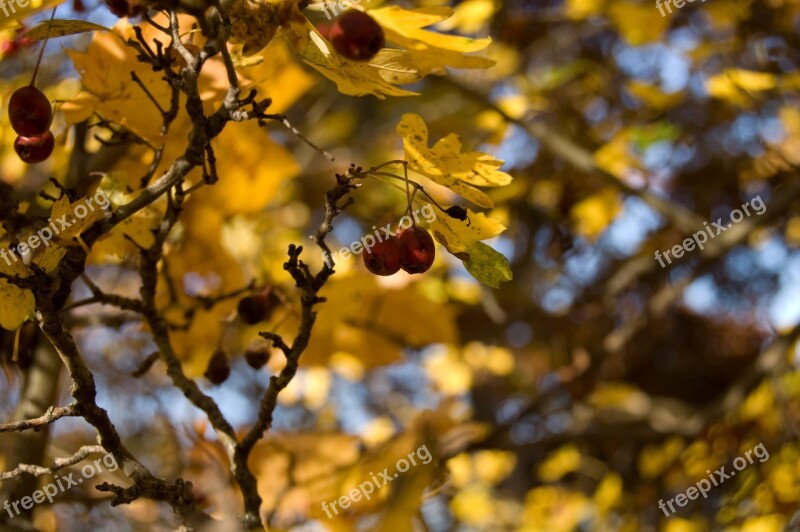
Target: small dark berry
x=456 y=211
x=256 y=356
x=384 y=258
x=29 y=112
x=34 y=149
x=418 y=250
x=218 y=369
x=357 y=36
x=124 y=8
x=258 y=308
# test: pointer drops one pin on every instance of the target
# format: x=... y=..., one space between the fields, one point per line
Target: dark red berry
x=78 y=6
x=418 y=250
x=324 y=29
x=258 y=308
x=218 y=369
x=256 y=356
x=357 y=36
x=384 y=258
x=124 y=8
x=34 y=149
x=29 y=112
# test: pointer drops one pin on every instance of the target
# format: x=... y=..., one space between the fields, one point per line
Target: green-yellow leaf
x=488 y=265
x=61 y=28
x=457 y=235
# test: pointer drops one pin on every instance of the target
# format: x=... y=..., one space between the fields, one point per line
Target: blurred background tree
x=575 y=396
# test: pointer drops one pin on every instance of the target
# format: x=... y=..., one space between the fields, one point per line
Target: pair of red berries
x=355 y=35
x=412 y=250
x=30 y=114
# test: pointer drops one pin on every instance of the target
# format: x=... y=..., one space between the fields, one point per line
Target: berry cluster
x=30 y=114
x=412 y=250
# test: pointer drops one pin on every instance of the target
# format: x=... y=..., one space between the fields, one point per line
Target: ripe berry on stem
x=385 y=257
x=29 y=111
x=218 y=369
x=357 y=36
x=256 y=356
x=257 y=308
x=34 y=149
x=124 y=8
x=418 y=250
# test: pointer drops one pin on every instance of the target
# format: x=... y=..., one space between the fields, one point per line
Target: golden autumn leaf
x=365 y=324
x=378 y=76
x=446 y=164
x=739 y=86
x=638 y=23
x=16 y=304
x=430 y=51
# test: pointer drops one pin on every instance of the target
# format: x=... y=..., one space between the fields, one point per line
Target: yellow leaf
x=431 y=51
x=608 y=493
x=77 y=216
x=457 y=235
x=278 y=76
x=470 y=16
x=592 y=215
x=653 y=96
x=616 y=157
x=565 y=460
x=404 y=27
x=446 y=165
x=254 y=23
x=638 y=23
x=581 y=9
x=378 y=76
x=16 y=304
x=60 y=28
x=365 y=323
x=735 y=85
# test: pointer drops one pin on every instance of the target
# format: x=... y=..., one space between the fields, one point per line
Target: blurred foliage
x=573 y=397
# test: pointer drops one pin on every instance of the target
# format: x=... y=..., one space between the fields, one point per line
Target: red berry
x=256 y=356
x=324 y=29
x=357 y=36
x=124 y=8
x=258 y=308
x=29 y=112
x=34 y=149
x=218 y=369
x=384 y=258
x=8 y=48
x=418 y=250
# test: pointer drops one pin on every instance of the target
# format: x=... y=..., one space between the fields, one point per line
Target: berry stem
x=41 y=52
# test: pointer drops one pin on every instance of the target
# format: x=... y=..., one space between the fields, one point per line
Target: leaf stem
x=41 y=52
